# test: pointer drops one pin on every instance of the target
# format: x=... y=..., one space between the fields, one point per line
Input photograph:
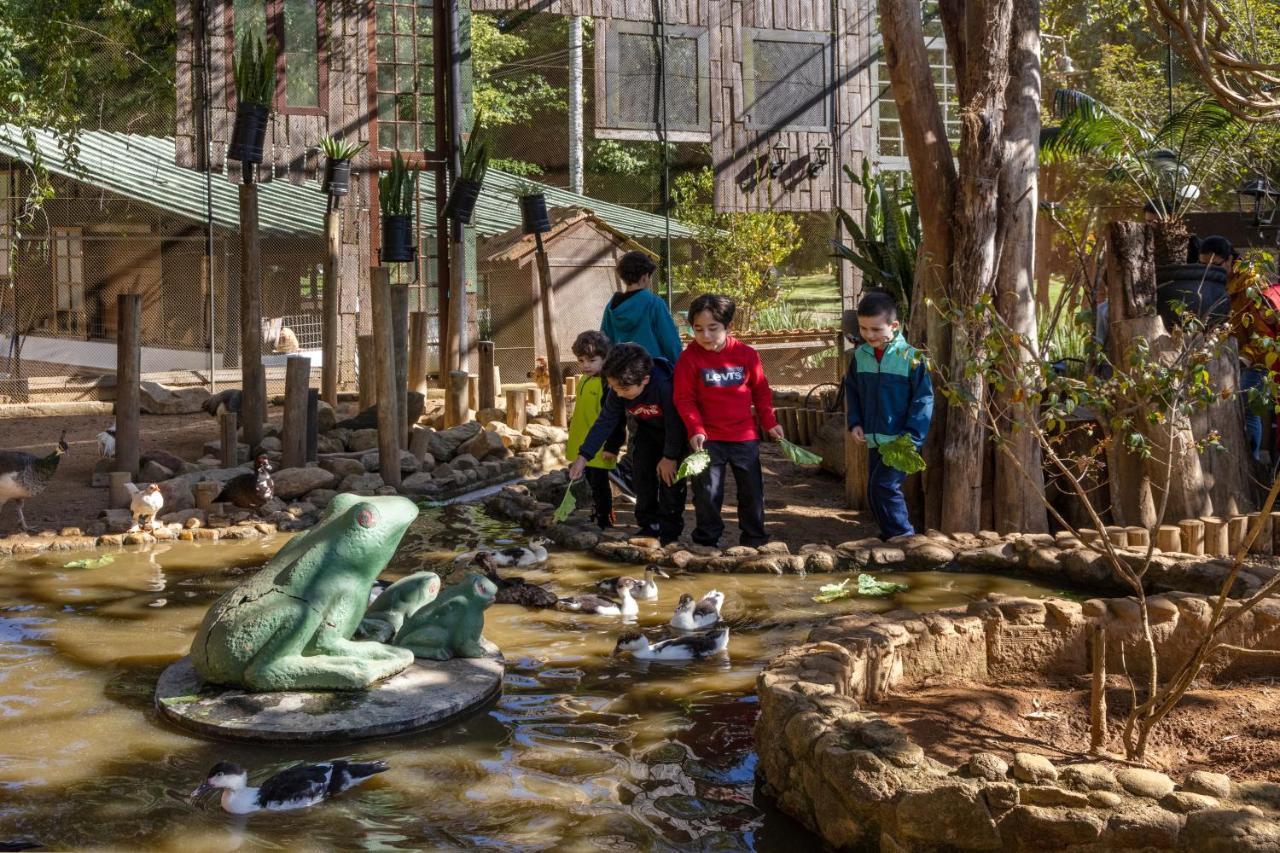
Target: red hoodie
x=714 y=392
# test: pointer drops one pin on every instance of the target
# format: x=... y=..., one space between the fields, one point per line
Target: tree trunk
x=977 y=219
x=1227 y=471
x=1019 y=481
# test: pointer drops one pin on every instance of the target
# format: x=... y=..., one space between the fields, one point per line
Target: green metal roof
x=143 y=168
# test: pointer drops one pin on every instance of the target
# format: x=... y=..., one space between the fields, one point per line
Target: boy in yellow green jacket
x=591 y=348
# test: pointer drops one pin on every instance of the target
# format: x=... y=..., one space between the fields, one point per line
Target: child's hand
x=575 y=470
x=858 y=435
x=776 y=433
x=696 y=442
x=667 y=471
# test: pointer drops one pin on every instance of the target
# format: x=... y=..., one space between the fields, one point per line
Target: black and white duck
x=688 y=647
x=517 y=556
x=295 y=788
x=250 y=491
x=602 y=606
x=514 y=590
x=693 y=615
x=643 y=590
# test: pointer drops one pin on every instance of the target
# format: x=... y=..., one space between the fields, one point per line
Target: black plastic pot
x=248 y=133
x=533 y=214
x=337 y=177
x=397 y=239
x=462 y=201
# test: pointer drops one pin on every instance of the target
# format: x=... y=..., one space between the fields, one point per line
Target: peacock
x=25 y=475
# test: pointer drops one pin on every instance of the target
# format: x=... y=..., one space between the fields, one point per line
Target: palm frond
x=1088 y=127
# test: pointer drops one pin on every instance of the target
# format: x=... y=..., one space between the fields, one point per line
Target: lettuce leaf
x=798 y=454
x=867 y=587
x=567 y=505
x=693 y=464
x=901 y=453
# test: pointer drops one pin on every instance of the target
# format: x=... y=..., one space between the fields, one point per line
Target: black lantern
x=779 y=159
x=819 y=159
x=1258 y=199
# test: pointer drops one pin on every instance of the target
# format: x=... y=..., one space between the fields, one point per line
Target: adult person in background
x=1252 y=318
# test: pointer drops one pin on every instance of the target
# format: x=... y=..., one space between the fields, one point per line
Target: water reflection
x=582 y=751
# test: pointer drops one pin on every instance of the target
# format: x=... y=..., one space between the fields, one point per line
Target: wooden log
x=227 y=431
x=1089 y=536
x=400 y=339
x=456 y=398
x=313 y=425
x=533 y=396
x=418 y=325
x=206 y=492
x=389 y=418
x=1275 y=532
x=368 y=372
x=1169 y=538
x=1215 y=536
x=1098 y=688
x=1237 y=528
x=118 y=494
x=571 y=386
x=1262 y=544
x=1137 y=537
x=253 y=378
x=329 y=301
x=1192 y=530
x=297 y=375
x=517 y=416
x=855 y=472
x=488 y=390
x=815 y=423
x=473 y=391
x=786 y=417
x=128 y=377
x=559 y=414
x=1118 y=536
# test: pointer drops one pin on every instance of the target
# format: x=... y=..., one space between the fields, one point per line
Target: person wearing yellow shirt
x=591 y=348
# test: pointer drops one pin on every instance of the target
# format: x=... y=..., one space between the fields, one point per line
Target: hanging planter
x=337 y=166
x=397 y=192
x=466 y=189
x=533 y=212
x=254 y=71
x=462 y=201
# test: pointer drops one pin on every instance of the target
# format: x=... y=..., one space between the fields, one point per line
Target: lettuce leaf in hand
x=901 y=453
x=798 y=454
x=693 y=464
x=567 y=505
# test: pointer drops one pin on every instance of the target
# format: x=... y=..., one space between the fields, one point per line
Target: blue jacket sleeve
x=617 y=438
x=665 y=331
x=920 y=409
x=852 y=402
x=606 y=326
x=611 y=417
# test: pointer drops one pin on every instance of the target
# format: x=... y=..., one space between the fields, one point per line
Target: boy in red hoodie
x=717 y=380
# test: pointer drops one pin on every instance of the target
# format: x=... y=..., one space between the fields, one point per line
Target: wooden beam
x=418 y=323
x=400 y=341
x=128 y=376
x=487 y=392
x=388 y=396
x=558 y=415
x=329 y=301
x=253 y=381
x=456 y=398
x=294 y=435
x=227 y=431
x=367 y=375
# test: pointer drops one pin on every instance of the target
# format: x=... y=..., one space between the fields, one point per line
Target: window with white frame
x=892 y=149
x=68 y=279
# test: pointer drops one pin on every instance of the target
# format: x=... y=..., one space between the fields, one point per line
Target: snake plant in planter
x=533 y=208
x=254 y=71
x=475 y=163
x=397 y=192
x=337 y=166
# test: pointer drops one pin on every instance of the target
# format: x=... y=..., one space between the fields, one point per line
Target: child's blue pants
x=884 y=495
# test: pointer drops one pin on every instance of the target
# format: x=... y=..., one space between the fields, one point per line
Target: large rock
x=1145 y=783
x=541 y=434
x=295 y=482
x=483 y=445
x=330 y=444
x=1036 y=769
x=514 y=440
x=372 y=462
x=169 y=460
x=153 y=472
x=365 y=484
x=343 y=466
x=443 y=445
x=158 y=399
x=952 y=815
x=421 y=484
x=1231 y=831
x=178 y=495
x=326 y=418
x=363 y=439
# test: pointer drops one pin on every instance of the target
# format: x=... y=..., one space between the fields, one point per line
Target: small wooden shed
x=583 y=252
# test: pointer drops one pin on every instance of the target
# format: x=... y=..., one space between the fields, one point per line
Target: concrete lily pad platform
x=427 y=694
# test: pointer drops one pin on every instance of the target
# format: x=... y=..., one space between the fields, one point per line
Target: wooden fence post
x=128 y=377
x=855 y=472
x=388 y=395
x=517 y=416
x=488 y=391
x=1169 y=538
x=313 y=425
x=456 y=394
x=253 y=378
x=297 y=376
x=227 y=430
x=1192 y=536
x=400 y=338
x=367 y=375
x=418 y=323
x=329 y=300
x=558 y=414
x=1216 y=543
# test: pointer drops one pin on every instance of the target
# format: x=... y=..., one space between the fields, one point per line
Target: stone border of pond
x=1057 y=559
x=859 y=781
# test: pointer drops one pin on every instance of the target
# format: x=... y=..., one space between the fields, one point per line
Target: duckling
x=518 y=556
x=689 y=647
x=296 y=788
x=514 y=590
x=601 y=606
x=691 y=616
x=645 y=590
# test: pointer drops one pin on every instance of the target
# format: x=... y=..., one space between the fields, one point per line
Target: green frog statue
x=398 y=602
x=450 y=626
x=289 y=627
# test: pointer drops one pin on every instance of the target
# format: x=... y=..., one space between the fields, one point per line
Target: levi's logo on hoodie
x=723 y=377
x=646 y=410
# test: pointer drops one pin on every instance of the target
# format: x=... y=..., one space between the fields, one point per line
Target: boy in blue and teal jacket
x=887 y=392
x=637 y=315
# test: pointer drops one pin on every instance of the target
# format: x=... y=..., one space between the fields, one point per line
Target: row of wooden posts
x=1209 y=536
x=800 y=425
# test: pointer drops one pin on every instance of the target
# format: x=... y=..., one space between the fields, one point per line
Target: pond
x=582 y=751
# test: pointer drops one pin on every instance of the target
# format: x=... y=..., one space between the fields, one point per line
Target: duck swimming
x=514 y=590
x=518 y=556
x=295 y=788
x=689 y=647
x=601 y=606
x=645 y=590
x=692 y=616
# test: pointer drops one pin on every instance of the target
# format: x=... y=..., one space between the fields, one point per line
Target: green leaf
x=867 y=587
x=91 y=562
x=798 y=454
x=567 y=505
x=693 y=464
x=901 y=454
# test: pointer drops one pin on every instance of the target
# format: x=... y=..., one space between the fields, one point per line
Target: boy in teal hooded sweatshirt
x=638 y=315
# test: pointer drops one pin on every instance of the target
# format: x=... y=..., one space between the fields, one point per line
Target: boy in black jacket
x=640 y=386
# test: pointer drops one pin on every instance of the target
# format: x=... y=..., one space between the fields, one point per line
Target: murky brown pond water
x=583 y=751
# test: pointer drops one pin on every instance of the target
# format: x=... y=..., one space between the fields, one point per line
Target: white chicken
x=107 y=442
x=145 y=502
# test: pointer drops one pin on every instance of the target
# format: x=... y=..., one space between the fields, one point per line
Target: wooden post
x=517 y=417
x=571 y=386
x=400 y=338
x=1262 y=542
x=1275 y=532
x=1237 y=527
x=1137 y=537
x=815 y=423
x=1089 y=536
x=787 y=417
x=855 y=472
x=1192 y=536
x=367 y=375
x=473 y=391
x=418 y=324
x=313 y=425
x=456 y=398
x=1215 y=536
x=230 y=453
x=206 y=492
x=533 y=396
x=118 y=494
x=488 y=390
x=1169 y=538
x=253 y=379
x=297 y=376
x=1098 y=691
x=558 y=415
x=329 y=300
x=128 y=375
x=1117 y=536
x=389 y=418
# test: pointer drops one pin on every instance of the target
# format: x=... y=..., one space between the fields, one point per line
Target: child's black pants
x=659 y=507
x=708 y=493
x=601 y=496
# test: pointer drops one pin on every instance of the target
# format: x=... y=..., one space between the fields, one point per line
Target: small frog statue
x=450 y=626
x=289 y=627
x=398 y=602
